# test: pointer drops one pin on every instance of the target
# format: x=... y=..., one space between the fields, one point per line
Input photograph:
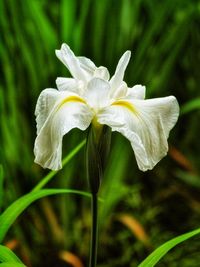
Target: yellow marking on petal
x=71 y=99
x=125 y=104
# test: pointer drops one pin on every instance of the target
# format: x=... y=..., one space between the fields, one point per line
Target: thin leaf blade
x=157 y=254
x=8 y=217
x=192 y=105
x=12 y=264
x=7 y=255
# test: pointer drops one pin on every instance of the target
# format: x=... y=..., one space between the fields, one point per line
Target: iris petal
x=68 y=112
x=117 y=78
x=68 y=58
x=44 y=106
x=97 y=93
x=70 y=84
x=137 y=91
x=146 y=126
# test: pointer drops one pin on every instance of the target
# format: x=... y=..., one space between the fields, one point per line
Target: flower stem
x=94 y=231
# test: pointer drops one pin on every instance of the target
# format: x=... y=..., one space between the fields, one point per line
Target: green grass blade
x=80 y=26
x=68 y=15
x=8 y=217
x=189 y=178
x=192 y=105
x=12 y=264
x=6 y=255
x=1 y=185
x=51 y=174
x=156 y=255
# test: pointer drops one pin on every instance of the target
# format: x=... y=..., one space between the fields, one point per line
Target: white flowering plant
x=91 y=100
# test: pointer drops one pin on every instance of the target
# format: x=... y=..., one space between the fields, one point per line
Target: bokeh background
x=140 y=210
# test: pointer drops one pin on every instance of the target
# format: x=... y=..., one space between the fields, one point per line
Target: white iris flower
x=92 y=97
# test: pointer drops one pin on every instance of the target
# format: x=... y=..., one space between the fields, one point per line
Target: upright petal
x=70 y=84
x=87 y=65
x=70 y=111
x=97 y=93
x=68 y=58
x=117 y=78
x=92 y=71
x=137 y=91
x=146 y=124
x=119 y=92
x=102 y=72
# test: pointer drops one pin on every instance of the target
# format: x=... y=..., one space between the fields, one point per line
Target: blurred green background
x=141 y=210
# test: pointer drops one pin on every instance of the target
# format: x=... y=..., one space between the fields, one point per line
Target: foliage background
x=140 y=210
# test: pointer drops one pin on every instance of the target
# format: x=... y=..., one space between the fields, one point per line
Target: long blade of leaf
x=157 y=254
x=1 y=185
x=7 y=255
x=191 y=105
x=17 y=207
x=12 y=264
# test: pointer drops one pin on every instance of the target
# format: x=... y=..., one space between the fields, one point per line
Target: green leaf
x=68 y=18
x=1 y=185
x=6 y=255
x=189 y=178
x=157 y=254
x=17 y=207
x=12 y=264
x=190 y=106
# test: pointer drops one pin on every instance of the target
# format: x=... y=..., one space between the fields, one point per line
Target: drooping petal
x=138 y=91
x=117 y=78
x=45 y=104
x=97 y=93
x=146 y=124
x=70 y=111
x=68 y=58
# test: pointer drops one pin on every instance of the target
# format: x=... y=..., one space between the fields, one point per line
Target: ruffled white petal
x=81 y=68
x=87 y=65
x=69 y=111
x=117 y=78
x=92 y=71
x=70 y=84
x=97 y=93
x=119 y=92
x=68 y=58
x=146 y=124
x=138 y=91
x=102 y=72
x=44 y=106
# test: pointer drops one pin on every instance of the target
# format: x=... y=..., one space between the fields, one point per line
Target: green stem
x=94 y=232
